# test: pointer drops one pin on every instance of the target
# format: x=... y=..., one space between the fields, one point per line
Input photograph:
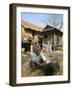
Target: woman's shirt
x=38 y=58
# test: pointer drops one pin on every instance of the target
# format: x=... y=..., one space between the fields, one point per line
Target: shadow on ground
x=47 y=70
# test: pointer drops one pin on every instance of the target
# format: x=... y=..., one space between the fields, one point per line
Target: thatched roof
x=31 y=26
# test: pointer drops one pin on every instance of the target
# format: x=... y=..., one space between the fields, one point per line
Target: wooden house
x=31 y=33
x=52 y=36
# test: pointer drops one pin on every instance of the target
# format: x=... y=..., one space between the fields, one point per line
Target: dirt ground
x=54 y=56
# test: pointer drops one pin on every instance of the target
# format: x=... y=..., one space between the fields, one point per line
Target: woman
x=37 y=59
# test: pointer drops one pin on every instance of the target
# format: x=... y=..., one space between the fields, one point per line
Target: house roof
x=50 y=28
x=31 y=26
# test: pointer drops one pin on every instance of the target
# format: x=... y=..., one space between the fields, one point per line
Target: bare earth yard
x=25 y=69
